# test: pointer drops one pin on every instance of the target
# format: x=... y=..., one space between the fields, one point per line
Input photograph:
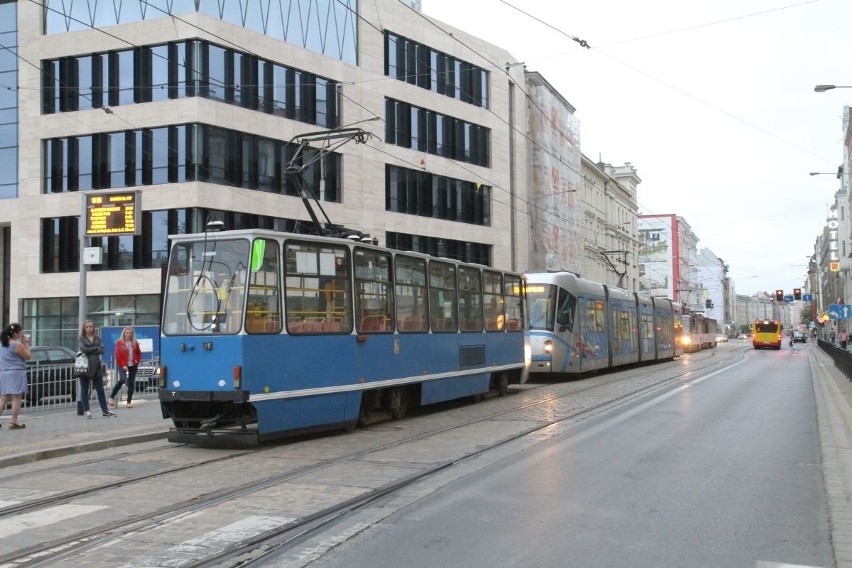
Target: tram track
x=76 y=544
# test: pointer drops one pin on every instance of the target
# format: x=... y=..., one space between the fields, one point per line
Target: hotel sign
x=833 y=225
x=113 y=214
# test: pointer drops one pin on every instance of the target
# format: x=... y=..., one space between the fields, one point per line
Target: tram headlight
x=548 y=346
x=686 y=340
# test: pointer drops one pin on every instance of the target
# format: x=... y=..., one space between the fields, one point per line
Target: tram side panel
x=666 y=328
x=648 y=338
x=623 y=326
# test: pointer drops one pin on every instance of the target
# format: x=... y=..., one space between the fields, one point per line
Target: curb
x=38 y=455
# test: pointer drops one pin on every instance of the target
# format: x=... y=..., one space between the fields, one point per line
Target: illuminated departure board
x=110 y=214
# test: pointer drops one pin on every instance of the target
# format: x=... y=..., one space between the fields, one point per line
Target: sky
x=711 y=101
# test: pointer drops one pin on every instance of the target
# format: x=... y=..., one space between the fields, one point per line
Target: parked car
x=50 y=373
x=799 y=337
x=148 y=375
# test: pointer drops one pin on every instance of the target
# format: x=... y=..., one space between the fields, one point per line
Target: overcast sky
x=712 y=102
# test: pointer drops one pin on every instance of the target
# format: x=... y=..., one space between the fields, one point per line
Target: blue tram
x=267 y=334
x=577 y=325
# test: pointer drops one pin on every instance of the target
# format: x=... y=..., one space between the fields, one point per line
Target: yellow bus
x=766 y=333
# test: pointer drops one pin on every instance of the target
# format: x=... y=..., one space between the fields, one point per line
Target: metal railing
x=842 y=358
x=54 y=386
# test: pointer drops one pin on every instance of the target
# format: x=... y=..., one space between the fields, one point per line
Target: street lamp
x=824 y=88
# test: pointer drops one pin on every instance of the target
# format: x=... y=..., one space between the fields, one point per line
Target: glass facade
x=428 y=131
x=188 y=69
x=179 y=153
x=421 y=193
x=438 y=72
x=9 y=100
x=328 y=27
x=189 y=152
x=60 y=250
x=437 y=246
x=54 y=321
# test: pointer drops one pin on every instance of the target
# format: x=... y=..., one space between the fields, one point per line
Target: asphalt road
x=721 y=471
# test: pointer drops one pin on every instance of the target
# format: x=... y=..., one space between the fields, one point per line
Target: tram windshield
x=205 y=287
x=547 y=301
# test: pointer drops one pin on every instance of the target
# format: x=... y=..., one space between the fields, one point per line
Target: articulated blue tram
x=267 y=334
x=578 y=325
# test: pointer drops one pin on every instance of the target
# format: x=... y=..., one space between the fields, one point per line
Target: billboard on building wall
x=556 y=220
x=655 y=256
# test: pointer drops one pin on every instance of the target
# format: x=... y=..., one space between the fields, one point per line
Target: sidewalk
x=59 y=432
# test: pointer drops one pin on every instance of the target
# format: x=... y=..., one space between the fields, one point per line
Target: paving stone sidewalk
x=60 y=431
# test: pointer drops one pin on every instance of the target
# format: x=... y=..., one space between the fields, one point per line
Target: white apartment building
x=610 y=224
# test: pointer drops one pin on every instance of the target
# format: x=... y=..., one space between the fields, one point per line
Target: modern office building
x=196 y=105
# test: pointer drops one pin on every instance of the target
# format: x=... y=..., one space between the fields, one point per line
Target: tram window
x=514 y=303
x=410 y=292
x=203 y=291
x=595 y=315
x=541 y=299
x=492 y=288
x=647 y=326
x=470 y=299
x=317 y=280
x=263 y=309
x=443 y=301
x=620 y=330
x=567 y=309
x=373 y=296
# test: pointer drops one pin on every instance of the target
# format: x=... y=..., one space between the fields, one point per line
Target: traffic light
x=797 y=293
x=779 y=295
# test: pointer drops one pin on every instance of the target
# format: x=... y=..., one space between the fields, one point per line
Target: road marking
x=764 y=564
x=217 y=540
x=38 y=519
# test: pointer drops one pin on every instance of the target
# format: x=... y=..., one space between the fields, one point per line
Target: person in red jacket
x=128 y=355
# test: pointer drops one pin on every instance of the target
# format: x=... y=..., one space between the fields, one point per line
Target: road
x=720 y=471
x=710 y=460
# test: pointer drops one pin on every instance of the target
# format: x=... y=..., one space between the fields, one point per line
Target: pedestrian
x=128 y=355
x=843 y=338
x=14 y=354
x=91 y=345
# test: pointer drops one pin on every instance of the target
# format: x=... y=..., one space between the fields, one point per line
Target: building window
x=479 y=253
x=438 y=72
x=55 y=321
x=416 y=192
x=187 y=69
x=9 y=100
x=173 y=154
x=329 y=27
x=413 y=127
x=60 y=250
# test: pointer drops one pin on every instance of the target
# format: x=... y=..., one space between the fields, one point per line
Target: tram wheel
x=502 y=384
x=398 y=403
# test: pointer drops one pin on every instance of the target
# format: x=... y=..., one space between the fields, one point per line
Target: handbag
x=81 y=366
